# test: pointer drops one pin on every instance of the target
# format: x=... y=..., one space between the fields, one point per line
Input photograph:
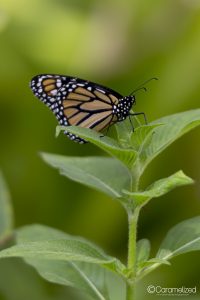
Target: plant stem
x=130 y=292
x=131 y=264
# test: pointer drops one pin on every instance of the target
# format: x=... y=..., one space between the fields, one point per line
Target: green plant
x=73 y=261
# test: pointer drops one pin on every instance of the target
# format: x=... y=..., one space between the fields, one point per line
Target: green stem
x=130 y=292
x=131 y=264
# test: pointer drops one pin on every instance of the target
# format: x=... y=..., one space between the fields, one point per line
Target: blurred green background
x=119 y=44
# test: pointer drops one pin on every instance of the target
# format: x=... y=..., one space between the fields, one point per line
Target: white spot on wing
x=102 y=91
x=54 y=92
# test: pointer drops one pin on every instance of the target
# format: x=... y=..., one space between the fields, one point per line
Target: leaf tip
x=58 y=130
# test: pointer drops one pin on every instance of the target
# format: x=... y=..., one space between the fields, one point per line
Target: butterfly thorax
x=122 y=109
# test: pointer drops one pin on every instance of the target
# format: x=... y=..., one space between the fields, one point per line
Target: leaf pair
x=66 y=260
x=182 y=238
x=111 y=177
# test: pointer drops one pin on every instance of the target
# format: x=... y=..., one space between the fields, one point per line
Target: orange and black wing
x=77 y=102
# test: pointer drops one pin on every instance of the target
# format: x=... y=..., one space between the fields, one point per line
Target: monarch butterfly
x=82 y=103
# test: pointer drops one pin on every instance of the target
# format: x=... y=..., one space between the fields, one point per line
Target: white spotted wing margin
x=51 y=90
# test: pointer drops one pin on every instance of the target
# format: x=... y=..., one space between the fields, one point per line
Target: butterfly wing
x=76 y=101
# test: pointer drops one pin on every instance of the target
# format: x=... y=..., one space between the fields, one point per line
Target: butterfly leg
x=107 y=130
x=140 y=113
x=131 y=123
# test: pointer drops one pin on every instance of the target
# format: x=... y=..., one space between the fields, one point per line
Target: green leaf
x=6 y=212
x=102 y=173
x=61 y=249
x=124 y=132
x=142 y=136
x=86 y=277
x=74 y=274
x=174 y=127
x=66 y=249
x=127 y=156
x=143 y=251
x=116 y=287
x=125 y=129
x=152 y=263
x=37 y=232
x=160 y=187
x=156 y=260
x=182 y=238
x=143 y=262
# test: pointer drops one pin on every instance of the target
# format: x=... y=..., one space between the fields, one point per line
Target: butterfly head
x=122 y=109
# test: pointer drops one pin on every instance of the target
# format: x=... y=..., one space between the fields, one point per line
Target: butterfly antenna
x=141 y=87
